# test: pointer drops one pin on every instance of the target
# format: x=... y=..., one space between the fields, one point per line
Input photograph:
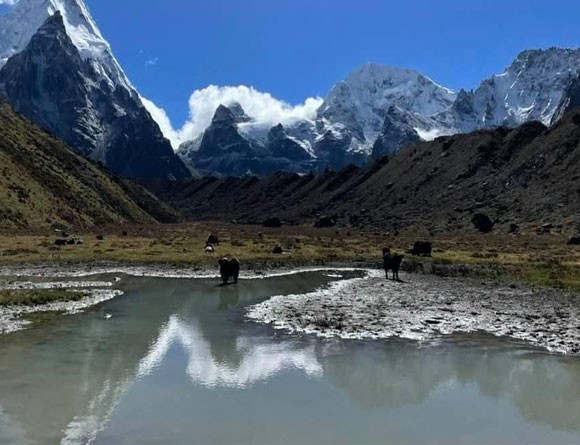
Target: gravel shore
x=425 y=306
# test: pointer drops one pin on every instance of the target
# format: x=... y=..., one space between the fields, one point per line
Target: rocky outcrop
x=570 y=100
x=397 y=132
x=283 y=146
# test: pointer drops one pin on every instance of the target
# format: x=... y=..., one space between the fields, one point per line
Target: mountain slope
x=524 y=175
x=66 y=80
x=44 y=183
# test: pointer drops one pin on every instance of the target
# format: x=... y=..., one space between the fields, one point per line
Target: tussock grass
x=32 y=297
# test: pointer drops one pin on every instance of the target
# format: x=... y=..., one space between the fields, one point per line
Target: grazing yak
x=229 y=268
x=392 y=262
x=213 y=240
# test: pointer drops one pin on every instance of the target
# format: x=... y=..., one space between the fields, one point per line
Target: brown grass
x=540 y=259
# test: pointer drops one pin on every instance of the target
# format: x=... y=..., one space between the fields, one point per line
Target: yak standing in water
x=392 y=262
x=229 y=268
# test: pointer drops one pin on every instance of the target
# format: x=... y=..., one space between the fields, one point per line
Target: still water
x=178 y=364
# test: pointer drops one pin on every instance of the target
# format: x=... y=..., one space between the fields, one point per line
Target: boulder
x=278 y=250
x=422 y=248
x=574 y=240
x=482 y=222
x=325 y=222
x=272 y=223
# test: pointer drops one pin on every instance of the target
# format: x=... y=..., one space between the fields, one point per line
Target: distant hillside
x=44 y=183
x=529 y=174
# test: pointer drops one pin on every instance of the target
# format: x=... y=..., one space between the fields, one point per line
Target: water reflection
x=61 y=382
x=245 y=362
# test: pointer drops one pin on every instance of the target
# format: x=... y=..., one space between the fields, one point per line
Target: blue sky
x=300 y=48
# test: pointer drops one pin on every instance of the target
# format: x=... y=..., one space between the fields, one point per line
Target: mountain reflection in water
x=63 y=381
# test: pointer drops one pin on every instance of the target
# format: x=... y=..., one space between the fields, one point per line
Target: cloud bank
x=265 y=109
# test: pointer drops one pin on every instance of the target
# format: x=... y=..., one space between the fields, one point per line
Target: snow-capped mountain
x=530 y=89
x=346 y=126
x=57 y=69
x=377 y=110
x=23 y=21
x=234 y=145
x=361 y=101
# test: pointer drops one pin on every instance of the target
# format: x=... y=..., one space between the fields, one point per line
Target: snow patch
x=432 y=134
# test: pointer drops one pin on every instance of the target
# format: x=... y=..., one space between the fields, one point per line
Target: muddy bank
x=425 y=306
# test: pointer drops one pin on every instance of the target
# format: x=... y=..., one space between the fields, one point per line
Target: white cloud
x=152 y=61
x=8 y=2
x=265 y=109
x=160 y=116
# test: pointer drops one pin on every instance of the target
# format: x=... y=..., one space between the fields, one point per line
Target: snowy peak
x=84 y=100
x=531 y=88
x=361 y=101
x=412 y=90
x=23 y=20
x=545 y=61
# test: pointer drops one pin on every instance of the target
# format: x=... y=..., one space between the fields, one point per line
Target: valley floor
x=523 y=261
x=544 y=260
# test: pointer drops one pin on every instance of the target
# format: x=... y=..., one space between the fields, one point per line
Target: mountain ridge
x=379 y=109
x=374 y=111
x=522 y=175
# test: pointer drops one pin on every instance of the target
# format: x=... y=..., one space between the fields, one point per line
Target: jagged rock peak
x=277 y=132
x=223 y=116
x=54 y=86
x=239 y=113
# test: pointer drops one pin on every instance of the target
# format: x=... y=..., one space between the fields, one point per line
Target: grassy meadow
x=528 y=257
